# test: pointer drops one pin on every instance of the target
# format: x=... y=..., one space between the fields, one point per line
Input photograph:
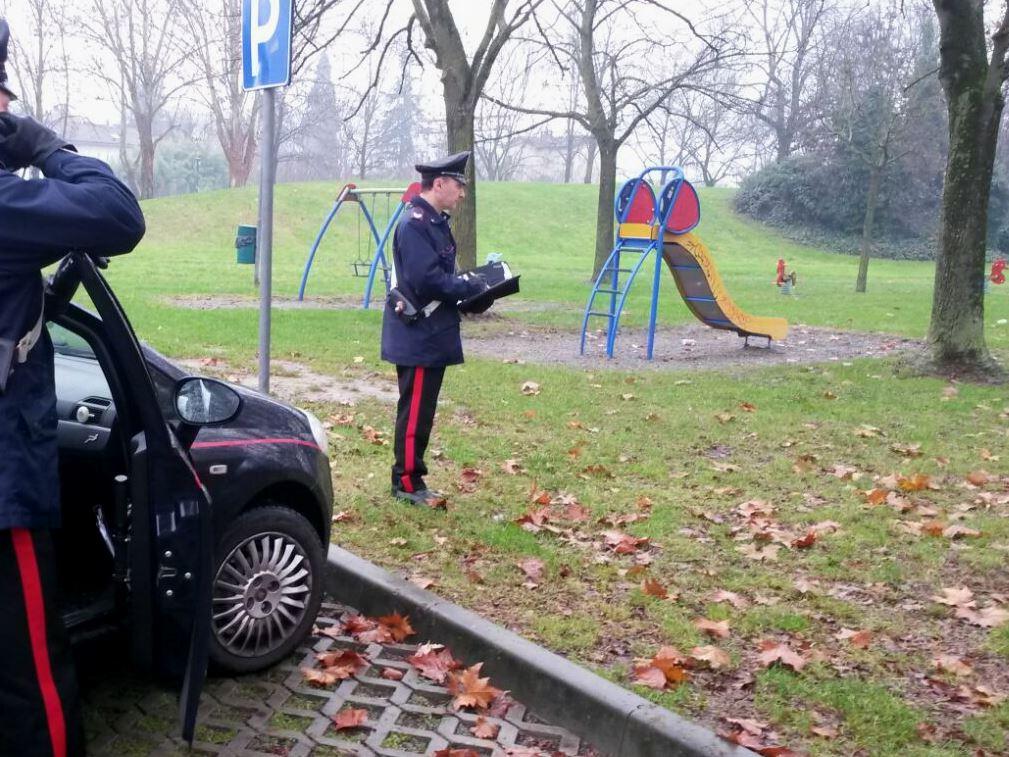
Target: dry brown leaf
x=343 y=664
x=947 y=663
x=767 y=554
x=962 y=597
x=713 y=656
x=349 y=718
x=731 y=597
x=653 y=588
x=988 y=617
x=718 y=629
x=533 y=568
x=470 y=690
x=979 y=477
x=860 y=639
x=392 y=674
x=807 y=540
x=319 y=677
x=530 y=388
x=775 y=651
x=484 y=729
x=434 y=662
x=397 y=625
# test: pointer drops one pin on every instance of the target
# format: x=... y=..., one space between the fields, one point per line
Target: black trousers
x=418 y=397
x=39 y=701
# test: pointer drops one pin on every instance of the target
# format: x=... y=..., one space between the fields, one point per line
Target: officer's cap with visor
x=5 y=35
x=454 y=167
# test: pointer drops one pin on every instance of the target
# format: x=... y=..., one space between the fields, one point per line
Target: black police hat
x=5 y=34
x=454 y=166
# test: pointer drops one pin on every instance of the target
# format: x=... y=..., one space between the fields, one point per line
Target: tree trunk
x=784 y=140
x=590 y=161
x=974 y=104
x=871 y=200
x=459 y=120
x=569 y=151
x=604 y=205
x=145 y=137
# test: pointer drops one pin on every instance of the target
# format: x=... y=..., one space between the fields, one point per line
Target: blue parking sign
x=266 y=43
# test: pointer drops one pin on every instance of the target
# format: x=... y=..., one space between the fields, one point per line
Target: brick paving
x=277 y=713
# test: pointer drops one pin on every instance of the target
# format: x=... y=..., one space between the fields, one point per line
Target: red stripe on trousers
x=411 y=428
x=31 y=585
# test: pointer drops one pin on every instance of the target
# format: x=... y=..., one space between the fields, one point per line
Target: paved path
x=277 y=713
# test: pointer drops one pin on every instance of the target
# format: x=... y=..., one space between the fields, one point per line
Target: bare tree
x=872 y=104
x=787 y=50
x=619 y=62
x=973 y=75
x=463 y=80
x=217 y=34
x=40 y=62
x=499 y=131
x=148 y=50
x=216 y=29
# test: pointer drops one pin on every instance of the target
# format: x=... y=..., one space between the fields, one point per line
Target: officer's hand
x=25 y=142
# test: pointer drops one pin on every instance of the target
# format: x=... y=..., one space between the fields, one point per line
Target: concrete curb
x=613 y=719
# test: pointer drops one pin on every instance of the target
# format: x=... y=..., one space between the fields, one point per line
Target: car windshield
x=68 y=343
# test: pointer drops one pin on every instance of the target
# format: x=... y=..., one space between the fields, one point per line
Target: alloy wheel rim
x=261 y=593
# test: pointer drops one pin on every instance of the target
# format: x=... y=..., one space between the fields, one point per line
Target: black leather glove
x=25 y=142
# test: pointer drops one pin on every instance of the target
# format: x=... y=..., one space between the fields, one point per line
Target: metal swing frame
x=351 y=193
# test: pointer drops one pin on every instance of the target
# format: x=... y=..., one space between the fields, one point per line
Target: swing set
x=369 y=202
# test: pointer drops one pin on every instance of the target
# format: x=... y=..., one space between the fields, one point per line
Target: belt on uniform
x=13 y=354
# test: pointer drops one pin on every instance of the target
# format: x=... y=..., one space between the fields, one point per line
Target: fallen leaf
x=806 y=541
x=962 y=597
x=623 y=544
x=343 y=664
x=484 y=729
x=533 y=567
x=319 y=677
x=349 y=718
x=947 y=663
x=434 y=662
x=956 y=531
x=470 y=690
x=774 y=651
x=422 y=582
x=916 y=483
x=988 y=617
x=844 y=472
x=713 y=656
x=979 y=477
x=457 y=753
x=860 y=639
x=343 y=516
x=731 y=597
x=397 y=625
x=718 y=629
x=530 y=388
x=392 y=674
x=767 y=554
x=653 y=588
x=907 y=450
x=748 y=407
x=512 y=467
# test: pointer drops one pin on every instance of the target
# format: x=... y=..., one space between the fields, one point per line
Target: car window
x=66 y=342
x=164 y=390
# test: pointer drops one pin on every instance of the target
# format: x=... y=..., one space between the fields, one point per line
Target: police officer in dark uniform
x=420 y=325
x=79 y=205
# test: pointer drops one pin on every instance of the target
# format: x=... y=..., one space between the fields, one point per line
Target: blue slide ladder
x=608 y=285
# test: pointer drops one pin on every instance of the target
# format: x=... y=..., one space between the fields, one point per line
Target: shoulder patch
x=417 y=214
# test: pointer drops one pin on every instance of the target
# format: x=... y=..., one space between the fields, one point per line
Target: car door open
x=171 y=535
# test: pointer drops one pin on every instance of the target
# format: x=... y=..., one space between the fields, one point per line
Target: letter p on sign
x=266 y=43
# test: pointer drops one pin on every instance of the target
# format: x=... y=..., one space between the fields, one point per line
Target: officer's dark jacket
x=424 y=255
x=80 y=205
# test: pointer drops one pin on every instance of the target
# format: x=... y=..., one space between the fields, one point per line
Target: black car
x=195 y=512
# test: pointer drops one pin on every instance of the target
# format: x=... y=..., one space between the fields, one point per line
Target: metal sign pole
x=266 y=175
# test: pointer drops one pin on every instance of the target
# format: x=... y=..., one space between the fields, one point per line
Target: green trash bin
x=245 y=244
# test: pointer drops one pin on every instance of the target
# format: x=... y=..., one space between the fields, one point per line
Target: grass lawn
x=803 y=506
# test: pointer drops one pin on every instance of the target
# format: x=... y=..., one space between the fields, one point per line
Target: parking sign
x=266 y=43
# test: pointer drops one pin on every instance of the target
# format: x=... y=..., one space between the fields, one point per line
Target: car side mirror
x=202 y=401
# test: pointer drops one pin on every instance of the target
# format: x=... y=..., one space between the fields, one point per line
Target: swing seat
x=362 y=268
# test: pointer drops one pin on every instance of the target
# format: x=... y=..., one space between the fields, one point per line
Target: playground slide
x=702 y=289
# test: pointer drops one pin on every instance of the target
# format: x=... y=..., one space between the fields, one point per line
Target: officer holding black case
x=420 y=325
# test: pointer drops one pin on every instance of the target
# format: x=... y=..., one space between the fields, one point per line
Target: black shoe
x=423 y=497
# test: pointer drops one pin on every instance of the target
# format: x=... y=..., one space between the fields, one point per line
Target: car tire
x=267 y=588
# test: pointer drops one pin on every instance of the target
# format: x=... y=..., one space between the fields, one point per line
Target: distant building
x=100 y=141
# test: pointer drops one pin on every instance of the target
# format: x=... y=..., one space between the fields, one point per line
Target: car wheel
x=267 y=588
